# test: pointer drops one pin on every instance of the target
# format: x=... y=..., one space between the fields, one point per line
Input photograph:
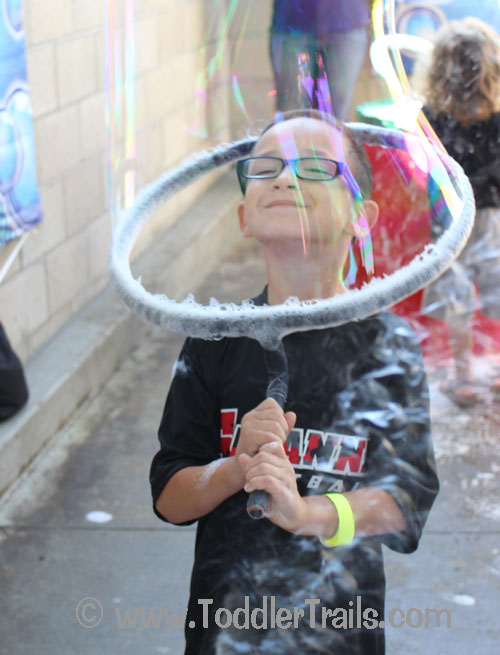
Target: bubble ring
x=268 y=324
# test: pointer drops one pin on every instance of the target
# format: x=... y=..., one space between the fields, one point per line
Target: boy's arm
x=194 y=491
x=375 y=511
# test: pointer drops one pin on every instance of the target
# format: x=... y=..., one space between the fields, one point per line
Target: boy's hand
x=265 y=424
x=271 y=470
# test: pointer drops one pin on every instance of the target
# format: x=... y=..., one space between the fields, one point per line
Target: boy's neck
x=302 y=277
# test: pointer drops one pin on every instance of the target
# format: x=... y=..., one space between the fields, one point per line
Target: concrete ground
x=68 y=583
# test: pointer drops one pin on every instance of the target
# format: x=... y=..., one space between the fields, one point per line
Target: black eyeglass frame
x=342 y=169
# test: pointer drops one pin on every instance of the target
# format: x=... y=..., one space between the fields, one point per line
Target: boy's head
x=309 y=179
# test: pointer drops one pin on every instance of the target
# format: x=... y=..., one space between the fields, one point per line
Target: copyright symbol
x=89 y=612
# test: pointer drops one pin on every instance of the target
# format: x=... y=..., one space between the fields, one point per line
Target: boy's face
x=286 y=209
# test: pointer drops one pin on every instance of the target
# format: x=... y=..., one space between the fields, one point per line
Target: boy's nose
x=286 y=178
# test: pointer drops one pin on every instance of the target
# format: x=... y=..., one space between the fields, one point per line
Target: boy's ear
x=245 y=230
x=371 y=212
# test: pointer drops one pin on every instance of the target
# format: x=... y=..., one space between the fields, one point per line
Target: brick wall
x=63 y=263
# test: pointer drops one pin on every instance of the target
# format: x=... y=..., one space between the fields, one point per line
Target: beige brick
x=58 y=145
x=89 y=293
x=105 y=170
x=76 y=68
x=218 y=110
x=52 y=230
x=195 y=28
x=172 y=32
x=101 y=61
x=189 y=75
x=89 y=14
x=42 y=79
x=150 y=155
x=141 y=102
x=250 y=58
x=67 y=272
x=142 y=6
x=56 y=321
x=180 y=141
x=23 y=300
x=161 y=92
x=147 y=49
x=48 y=20
x=93 y=124
x=99 y=240
x=84 y=194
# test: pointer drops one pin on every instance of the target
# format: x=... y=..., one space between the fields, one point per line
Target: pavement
x=83 y=557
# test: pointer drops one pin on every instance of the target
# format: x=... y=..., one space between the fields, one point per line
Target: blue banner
x=20 y=207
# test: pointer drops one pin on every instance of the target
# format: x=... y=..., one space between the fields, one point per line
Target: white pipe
x=10 y=259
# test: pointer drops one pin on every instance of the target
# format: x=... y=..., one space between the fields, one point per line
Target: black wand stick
x=277 y=388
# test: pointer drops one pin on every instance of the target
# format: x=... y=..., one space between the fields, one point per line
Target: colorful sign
x=20 y=207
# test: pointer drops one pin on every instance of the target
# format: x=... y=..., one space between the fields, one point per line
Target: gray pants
x=297 y=57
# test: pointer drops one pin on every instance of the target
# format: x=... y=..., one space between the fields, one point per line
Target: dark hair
x=356 y=157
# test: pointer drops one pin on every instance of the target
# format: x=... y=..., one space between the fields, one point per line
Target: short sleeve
x=189 y=429
x=396 y=418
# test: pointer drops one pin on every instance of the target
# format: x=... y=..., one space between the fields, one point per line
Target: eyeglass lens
x=311 y=168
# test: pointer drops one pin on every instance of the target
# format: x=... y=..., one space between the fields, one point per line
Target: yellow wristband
x=346 y=528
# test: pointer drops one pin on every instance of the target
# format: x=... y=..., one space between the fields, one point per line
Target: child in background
x=348 y=466
x=462 y=96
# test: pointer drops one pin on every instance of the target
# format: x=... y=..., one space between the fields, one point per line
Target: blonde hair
x=463 y=78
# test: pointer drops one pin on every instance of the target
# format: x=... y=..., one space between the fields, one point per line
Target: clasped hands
x=264 y=463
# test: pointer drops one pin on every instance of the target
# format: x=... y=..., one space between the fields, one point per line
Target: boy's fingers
x=264 y=483
x=275 y=448
x=274 y=419
x=269 y=403
x=291 y=418
x=266 y=422
x=265 y=469
x=244 y=461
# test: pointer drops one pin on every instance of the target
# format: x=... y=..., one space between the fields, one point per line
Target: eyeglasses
x=314 y=169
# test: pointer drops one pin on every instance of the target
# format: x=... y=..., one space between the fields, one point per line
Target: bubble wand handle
x=277 y=388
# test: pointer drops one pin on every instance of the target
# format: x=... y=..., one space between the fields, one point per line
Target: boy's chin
x=301 y=244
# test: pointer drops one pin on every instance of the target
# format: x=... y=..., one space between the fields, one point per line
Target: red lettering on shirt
x=311 y=449
x=227 y=430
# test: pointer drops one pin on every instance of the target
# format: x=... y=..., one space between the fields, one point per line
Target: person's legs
x=344 y=56
x=293 y=61
x=451 y=298
x=484 y=255
x=461 y=390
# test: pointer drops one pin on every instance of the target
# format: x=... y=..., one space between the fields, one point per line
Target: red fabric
x=401 y=232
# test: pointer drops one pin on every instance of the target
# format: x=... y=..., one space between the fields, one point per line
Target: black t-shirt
x=476 y=147
x=361 y=399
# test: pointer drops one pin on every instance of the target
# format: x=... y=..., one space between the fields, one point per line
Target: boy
x=357 y=425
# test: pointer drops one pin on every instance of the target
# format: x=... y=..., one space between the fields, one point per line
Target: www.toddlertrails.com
x=90 y=613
